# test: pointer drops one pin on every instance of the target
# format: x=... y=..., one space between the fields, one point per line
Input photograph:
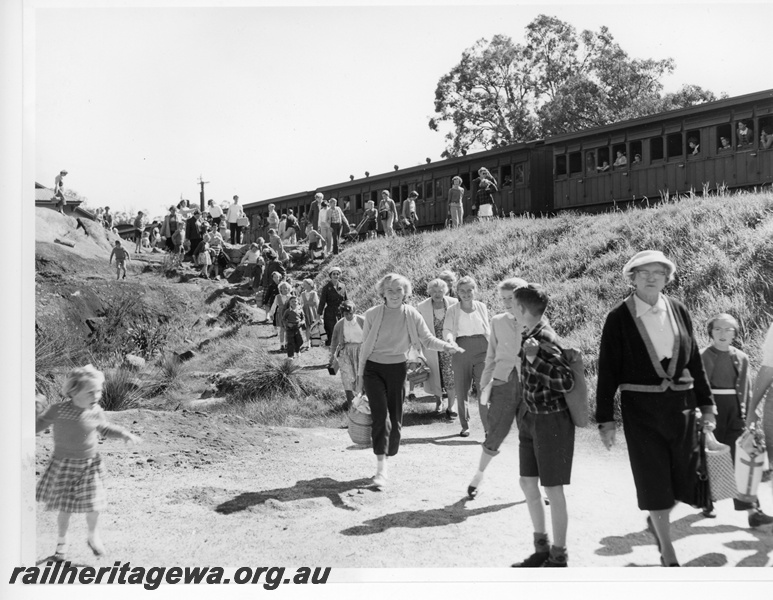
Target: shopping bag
x=720 y=468
x=749 y=463
x=360 y=421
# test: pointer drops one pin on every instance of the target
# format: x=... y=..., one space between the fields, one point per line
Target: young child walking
x=546 y=430
x=293 y=321
x=309 y=303
x=73 y=480
x=728 y=372
x=277 y=311
x=121 y=256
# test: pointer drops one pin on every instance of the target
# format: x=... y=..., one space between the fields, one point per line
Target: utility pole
x=201 y=197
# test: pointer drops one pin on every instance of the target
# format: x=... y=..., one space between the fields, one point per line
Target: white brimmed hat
x=334 y=269
x=646 y=257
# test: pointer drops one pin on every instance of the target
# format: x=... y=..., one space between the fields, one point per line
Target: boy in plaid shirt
x=293 y=321
x=546 y=431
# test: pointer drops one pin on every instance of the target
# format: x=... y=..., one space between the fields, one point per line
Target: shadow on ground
x=322 y=487
x=435 y=517
x=685 y=527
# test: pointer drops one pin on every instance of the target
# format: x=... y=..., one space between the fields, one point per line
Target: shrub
x=123 y=390
x=168 y=375
x=272 y=379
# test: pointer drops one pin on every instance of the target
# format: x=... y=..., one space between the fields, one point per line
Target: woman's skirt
x=485 y=210
x=74 y=485
x=205 y=259
x=348 y=359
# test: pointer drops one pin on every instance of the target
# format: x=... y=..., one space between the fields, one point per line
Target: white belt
x=724 y=392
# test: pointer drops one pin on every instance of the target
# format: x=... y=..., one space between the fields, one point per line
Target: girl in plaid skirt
x=73 y=480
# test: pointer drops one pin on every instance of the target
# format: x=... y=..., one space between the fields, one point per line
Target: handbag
x=243 y=221
x=749 y=463
x=719 y=463
x=333 y=367
x=418 y=372
x=383 y=215
x=702 y=495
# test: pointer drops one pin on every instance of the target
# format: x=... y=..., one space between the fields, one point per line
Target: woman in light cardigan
x=500 y=380
x=441 y=374
x=345 y=346
x=390 y=332
x=467 y=324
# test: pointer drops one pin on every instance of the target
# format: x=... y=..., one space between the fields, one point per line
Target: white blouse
x=767 y=349
x=470 y=324
x=657 y=321
x=352 y=331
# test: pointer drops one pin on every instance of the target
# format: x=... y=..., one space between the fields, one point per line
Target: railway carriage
x=568 y=171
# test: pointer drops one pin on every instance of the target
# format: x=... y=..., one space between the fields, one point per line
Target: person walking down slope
x=331 y=296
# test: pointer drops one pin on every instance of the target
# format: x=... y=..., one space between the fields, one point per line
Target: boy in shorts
x=121 y=256
x=546 y=430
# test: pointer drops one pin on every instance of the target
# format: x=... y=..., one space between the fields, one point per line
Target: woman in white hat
x=649 y=353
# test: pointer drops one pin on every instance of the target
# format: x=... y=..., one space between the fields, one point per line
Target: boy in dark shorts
x=121 y=256
x=546 y=430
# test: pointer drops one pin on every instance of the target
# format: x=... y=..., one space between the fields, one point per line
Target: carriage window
x=374 y=197
x=674 y=146
x=519 y=174
x=403 y=192
x=428 y=189
x=693 y=147
x=724 y=139
x=602 y=160
x=506 y=176
x=396 y=194
x=561 y=164
x=766 y=133
x=465 y=180
x=635 y=155
x=575 y=163
x=656 y=149
x=438 y=188
x=358 y=202
x=620 y=156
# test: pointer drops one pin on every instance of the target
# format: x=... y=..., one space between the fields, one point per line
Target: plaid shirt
x=545 y=380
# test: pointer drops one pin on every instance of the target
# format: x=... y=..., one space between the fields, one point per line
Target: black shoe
x=472 y=491
x=555 y=563
x=709 y=513
x=535 y=560
x=465 y=433
x=759 y=518
x=451 y=414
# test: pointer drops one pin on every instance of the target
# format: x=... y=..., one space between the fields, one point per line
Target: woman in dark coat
x=649 y=353
x=331 y=296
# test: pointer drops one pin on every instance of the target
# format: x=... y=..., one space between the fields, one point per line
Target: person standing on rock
x=234 y=213
x=215 y=212
x=170 y=226
x=193 y=232
x=61 y=201
x=390 y=332
x=316 y=205
x=331 y=296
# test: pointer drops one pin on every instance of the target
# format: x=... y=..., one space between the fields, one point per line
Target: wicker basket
x=360 y=427
x=721 y=470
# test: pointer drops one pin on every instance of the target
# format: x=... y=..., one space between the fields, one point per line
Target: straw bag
x=360 y=422
x=749 y=463
x=418 y=372
x=720 y=467
x=315 y=334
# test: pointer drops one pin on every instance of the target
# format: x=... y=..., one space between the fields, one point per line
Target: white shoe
x=379 y=480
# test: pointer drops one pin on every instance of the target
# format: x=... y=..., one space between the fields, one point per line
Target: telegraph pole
x=201 y=197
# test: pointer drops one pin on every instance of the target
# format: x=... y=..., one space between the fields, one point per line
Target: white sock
x=477 y=478
x=381 y=466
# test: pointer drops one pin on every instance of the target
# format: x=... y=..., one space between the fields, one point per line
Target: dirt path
x=218 y=490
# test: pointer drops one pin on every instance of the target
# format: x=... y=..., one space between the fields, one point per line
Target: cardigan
x=432 y=385
x=451 y=324
x=625 y=360
x=504 y=344
x=418 y=333
x=743 y=388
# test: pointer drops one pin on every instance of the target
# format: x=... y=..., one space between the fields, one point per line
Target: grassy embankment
x=722 y=246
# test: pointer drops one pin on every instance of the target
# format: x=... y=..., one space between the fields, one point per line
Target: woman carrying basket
x=390 y=331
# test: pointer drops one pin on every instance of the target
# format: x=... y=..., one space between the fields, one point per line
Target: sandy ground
x=218 y=490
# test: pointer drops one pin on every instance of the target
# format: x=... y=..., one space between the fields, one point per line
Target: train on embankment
x=723 y=144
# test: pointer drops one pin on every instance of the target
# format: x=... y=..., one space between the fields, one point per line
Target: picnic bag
x=720 y=468
x=702 y=493
x=418 y=372
x=243 y=221
x=360 y=421
x=315 y=334
x=749 y=463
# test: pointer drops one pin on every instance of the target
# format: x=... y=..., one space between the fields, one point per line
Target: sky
x=138 y=103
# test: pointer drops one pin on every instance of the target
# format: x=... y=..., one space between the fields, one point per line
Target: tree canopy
x=556 y=82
